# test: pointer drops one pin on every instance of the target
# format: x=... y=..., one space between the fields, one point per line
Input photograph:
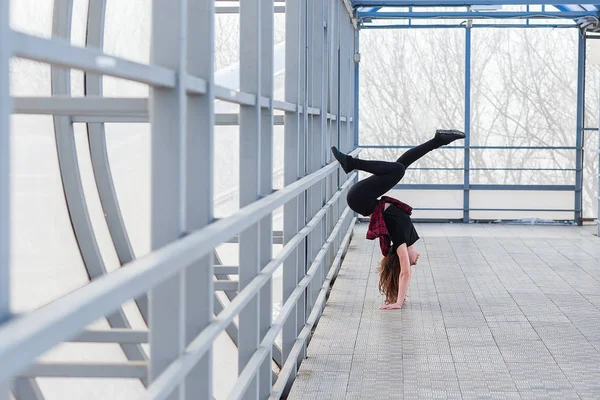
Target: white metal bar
x=131 y=369
x=24 y=338
x=91 y=106
x=265 y=374
x=103 y=109
x=598 y=194
x=226 y=270
x=112 y=336
x=168 y=134
x=60 y=53
x=303 y=125
x=292 y=154
x=233 y=96
x=236 y=10
x=286 y=309
x=353 y=71
x=193 y=84
x=288 y=368
x=5 y=111
x=169 y=378
x=97 y=109
x=316 y=133
x=284 y=105
x=265 y=102
x=333 y=104
x=250 y=117
x=199 y=204
x=230 y=286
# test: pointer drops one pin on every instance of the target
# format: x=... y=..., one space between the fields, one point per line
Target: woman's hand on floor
x=391 y=306
x=388 y=306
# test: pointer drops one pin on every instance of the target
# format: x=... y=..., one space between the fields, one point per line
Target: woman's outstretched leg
x=363 y=196
x=441 y=138
x=374 y=167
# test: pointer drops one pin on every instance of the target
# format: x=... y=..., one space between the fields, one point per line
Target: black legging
x=363 y=196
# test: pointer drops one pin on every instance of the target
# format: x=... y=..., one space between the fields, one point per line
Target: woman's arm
x=405 y=274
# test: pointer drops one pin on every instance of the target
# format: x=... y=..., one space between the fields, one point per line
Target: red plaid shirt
x=377 y=227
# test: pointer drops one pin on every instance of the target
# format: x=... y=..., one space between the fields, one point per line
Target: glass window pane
x=411 y=83
x=29 y=78
x=46 y=263
x=127 y=29
x=524 y=87
x=227 y=170
x=32 y=16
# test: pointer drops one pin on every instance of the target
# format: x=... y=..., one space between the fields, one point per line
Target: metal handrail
x=24 y=338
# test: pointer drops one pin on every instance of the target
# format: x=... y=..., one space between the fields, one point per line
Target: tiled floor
x=493 y=312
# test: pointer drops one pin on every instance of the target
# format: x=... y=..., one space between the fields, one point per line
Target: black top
x=400 y=226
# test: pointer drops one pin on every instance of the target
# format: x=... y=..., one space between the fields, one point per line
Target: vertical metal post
x=315 y=87
x=352 y=65
x=266 y=184
x=5 y=111
x=346 y=90
x=199 y=291
x=334 y=106
x=310 y=128
x=355 y=60
x=467 y=153
x=167 y=118
x=338 y=139
x=292 y=154
x=580 y=126
x=598 y=177
x=303 y=125
x=324 y=92
x=250 y=149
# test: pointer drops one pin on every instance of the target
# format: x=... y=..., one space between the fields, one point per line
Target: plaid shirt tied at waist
x=377 y=227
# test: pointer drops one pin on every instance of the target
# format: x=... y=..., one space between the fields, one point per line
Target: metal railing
x=466 y=188
x=173 y=285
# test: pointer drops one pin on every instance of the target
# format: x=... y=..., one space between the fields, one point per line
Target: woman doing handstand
x=390 y=218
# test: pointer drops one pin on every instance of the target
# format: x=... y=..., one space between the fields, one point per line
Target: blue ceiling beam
x=478 y=15
x=475 y=26
x=451 y=3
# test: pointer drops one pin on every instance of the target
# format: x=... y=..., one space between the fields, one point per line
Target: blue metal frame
x=467 y=154
x=501 y=26
x=477 y=15
x=435 y=186
x=565 y=12
x=454 y=3
x=580 y=124
x=475 y=147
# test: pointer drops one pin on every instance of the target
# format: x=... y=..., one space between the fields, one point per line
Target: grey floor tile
x=493 y=312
